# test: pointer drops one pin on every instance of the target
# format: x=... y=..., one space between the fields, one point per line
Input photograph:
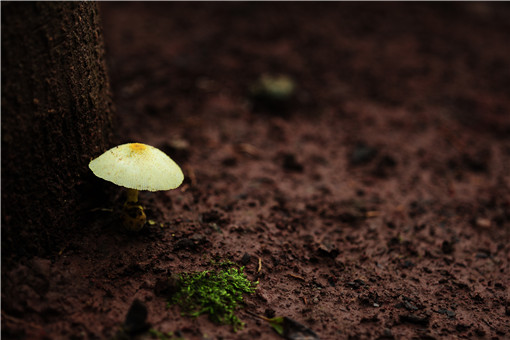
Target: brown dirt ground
x=377 y=199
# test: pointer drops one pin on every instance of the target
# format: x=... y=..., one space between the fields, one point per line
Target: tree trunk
x=56 y=115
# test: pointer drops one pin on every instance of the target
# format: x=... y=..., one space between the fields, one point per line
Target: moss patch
x=217 y=293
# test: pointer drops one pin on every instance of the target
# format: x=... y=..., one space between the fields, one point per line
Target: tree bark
x=56 y=115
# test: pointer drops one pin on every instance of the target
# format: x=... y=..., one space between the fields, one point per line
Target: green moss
x=217 y=293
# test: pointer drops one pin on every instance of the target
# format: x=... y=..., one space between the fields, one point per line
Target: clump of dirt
x=376 y=205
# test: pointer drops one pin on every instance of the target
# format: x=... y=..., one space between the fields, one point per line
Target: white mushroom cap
x=138 y=166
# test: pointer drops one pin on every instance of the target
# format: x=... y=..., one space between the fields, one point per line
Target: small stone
x=483 y=222
x=417 y=320
x=245 y=259
x=136 y=318
x=387 y=334
x=450 y=314
x=407 y=264
x=409 y=306
x=290 y=163
x=362 y=154
x=447 y=247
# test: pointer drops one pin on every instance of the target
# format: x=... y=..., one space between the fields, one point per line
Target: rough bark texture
x=56 y=115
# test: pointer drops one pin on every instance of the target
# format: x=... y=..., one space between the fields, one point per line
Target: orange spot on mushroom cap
x=137 y=146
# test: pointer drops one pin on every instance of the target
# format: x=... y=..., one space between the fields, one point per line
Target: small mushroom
x=280 y=87
x=137 y=166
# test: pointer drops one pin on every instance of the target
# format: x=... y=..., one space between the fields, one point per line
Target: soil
x=372 y=203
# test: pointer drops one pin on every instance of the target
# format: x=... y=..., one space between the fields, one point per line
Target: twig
x=296 y=276
x=258 y=316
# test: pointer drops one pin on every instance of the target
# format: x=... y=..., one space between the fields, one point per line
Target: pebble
x=483 y=222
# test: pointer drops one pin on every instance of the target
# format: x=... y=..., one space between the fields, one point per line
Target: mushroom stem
x=132 y=195
x=133 y=215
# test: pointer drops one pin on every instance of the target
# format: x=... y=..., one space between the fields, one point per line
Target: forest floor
x=373 y=203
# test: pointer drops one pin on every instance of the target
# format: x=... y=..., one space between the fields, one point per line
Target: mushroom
x=137 y=166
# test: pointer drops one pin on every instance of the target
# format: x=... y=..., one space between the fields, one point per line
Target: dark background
x=376 y=199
